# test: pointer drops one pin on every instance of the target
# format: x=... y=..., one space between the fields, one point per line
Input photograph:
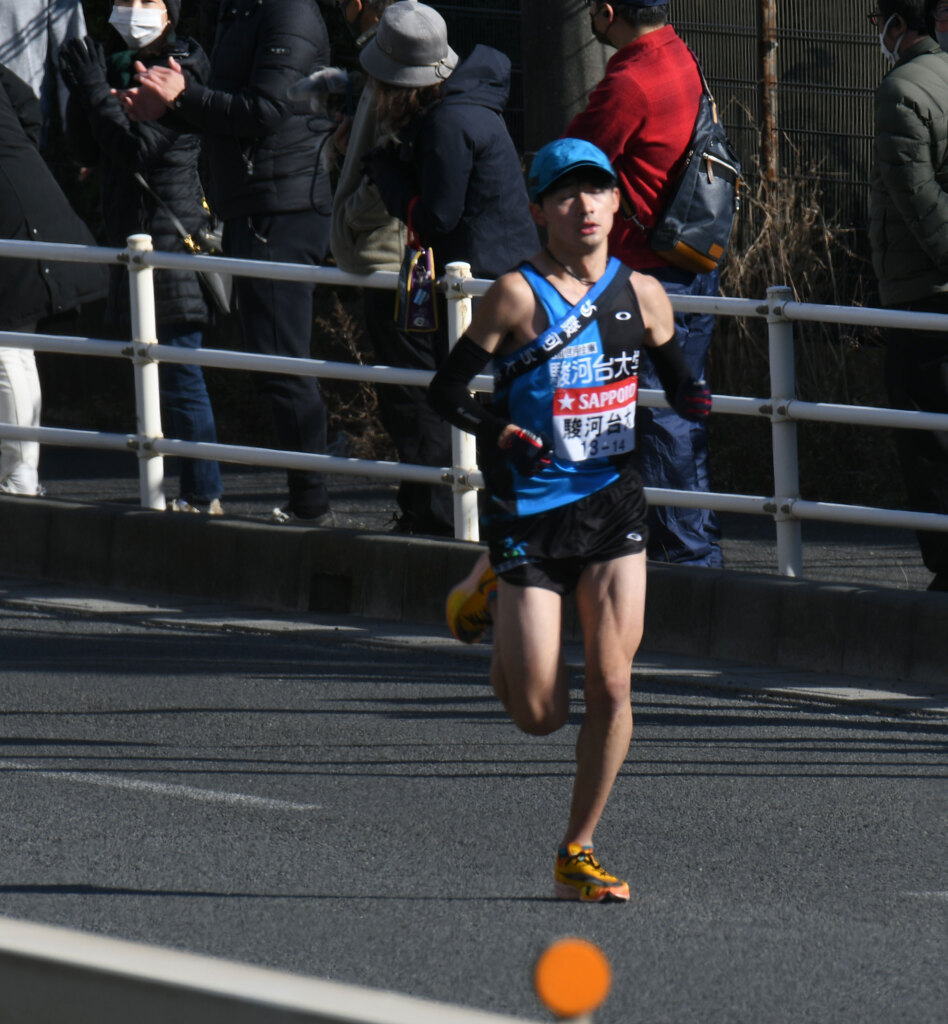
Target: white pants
x=20 y=403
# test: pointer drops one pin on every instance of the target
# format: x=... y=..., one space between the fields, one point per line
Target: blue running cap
x=559 y=158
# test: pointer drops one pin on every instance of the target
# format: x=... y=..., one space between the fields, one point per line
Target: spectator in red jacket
x=642 y=115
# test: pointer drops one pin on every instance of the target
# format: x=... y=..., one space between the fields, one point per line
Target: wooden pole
x=767 y=35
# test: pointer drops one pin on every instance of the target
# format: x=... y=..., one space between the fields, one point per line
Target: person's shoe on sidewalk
x=24 y=485
x=286 y=516
x=40 y=492
x=412 y=526
x=467 y=607
x=579 y=876
x=212 y=508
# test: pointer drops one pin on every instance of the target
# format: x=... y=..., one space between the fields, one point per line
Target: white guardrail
x=51 y=975
x=782 y=407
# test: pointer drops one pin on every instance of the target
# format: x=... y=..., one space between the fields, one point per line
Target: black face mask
x=354 y=28
x=598 y=36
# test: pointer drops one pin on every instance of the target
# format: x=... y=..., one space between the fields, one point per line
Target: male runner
x=567 y=511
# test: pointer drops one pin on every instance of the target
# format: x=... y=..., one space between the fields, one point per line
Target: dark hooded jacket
x=165 y=152
x=32 y=206
x=262 y=154
x=459 y=159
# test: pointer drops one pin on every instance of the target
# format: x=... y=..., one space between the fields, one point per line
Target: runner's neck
x=586 y=276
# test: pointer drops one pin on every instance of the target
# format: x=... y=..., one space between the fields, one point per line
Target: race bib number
x=595 y=422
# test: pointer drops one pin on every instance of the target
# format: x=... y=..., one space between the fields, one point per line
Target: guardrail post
x=463 y=446
x=784 y=433
x=151 y=471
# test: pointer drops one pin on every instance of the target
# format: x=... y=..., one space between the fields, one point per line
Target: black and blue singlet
x=581 y=399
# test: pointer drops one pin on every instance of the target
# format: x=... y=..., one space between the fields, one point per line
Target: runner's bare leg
x=527 y=671
x=611 y=602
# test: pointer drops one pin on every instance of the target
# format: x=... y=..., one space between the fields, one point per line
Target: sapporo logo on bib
x=593 y=402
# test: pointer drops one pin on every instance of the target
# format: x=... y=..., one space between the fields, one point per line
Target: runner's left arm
x=688 y=396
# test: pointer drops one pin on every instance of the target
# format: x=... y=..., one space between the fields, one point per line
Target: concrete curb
x=860 y=631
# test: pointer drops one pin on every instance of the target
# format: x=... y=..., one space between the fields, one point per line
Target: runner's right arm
x=507 y=310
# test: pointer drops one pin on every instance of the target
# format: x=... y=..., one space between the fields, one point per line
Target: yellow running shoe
x=467 y=610
x=579 y=876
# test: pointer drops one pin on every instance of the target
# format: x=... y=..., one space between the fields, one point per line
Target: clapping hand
x=82 y=65
x=140 y=104
x=164 y=83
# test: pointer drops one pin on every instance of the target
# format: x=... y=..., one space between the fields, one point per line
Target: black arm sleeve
x=671 y=367
x=448 y=394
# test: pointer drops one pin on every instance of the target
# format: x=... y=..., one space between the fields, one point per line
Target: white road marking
x=929 y=895
x=209 y=796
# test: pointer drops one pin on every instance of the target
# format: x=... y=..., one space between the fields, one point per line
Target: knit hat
x=410 y=47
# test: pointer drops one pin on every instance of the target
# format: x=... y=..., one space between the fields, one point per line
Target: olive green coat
x=909 y=200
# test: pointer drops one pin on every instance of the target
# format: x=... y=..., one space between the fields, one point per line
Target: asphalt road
x=346 y=802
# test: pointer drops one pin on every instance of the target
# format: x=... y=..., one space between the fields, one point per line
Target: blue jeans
x=187 y=414
x=673 y=452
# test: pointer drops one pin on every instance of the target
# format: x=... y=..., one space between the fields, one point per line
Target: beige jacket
x=365 y=237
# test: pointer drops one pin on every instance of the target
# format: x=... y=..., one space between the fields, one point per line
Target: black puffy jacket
x=32 y=206
x=459 y=159
x=261 y=155
x=166 y=153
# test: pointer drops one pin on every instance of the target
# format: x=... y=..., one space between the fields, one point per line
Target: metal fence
x=817 y=97
x=781 y=407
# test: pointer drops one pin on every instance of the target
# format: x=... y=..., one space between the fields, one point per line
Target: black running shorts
x=551 y=549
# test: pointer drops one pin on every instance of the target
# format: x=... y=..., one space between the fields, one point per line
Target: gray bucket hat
x=410 y=47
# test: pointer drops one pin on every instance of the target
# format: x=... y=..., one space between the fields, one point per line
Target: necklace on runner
x=572 y=273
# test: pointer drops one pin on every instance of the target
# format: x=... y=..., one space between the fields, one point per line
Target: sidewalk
x=832 y=553
x=861 y=615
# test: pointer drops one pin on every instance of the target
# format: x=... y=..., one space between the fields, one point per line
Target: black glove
x=82 y=65
x=392 y=177
x=525 y=451
x=376 y=161
x=693 y=400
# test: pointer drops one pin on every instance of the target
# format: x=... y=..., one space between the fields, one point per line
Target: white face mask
x=892 y=55
x=137 y=26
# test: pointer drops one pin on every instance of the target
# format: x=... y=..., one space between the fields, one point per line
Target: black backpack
x=694 y=228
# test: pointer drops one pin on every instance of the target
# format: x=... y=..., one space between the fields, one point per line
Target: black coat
x=262 y=154
x=166 y=153
x=32 y=205
x=459 y=158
